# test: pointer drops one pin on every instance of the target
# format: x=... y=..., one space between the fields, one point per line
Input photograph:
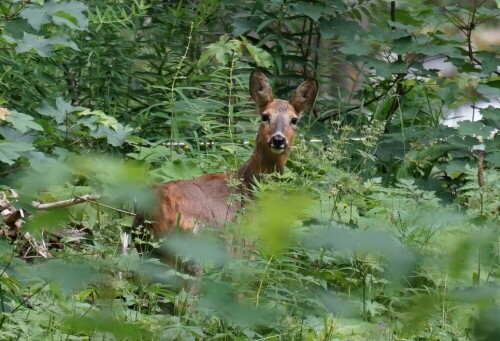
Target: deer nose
x=278 y=143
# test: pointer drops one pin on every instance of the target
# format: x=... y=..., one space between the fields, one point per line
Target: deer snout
x=278 y=143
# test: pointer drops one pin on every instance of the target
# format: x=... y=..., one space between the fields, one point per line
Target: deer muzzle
x=278 y=143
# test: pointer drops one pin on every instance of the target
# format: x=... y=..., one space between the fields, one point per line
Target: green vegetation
x=385 y=225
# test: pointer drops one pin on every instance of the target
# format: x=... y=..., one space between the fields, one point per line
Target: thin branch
x=399 y=77
x=113 y=208
x=40 y=249
x=92 y=198
x=486 y=19
x=64 y=203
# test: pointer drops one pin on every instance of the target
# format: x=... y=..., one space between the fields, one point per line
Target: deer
x=188 y=205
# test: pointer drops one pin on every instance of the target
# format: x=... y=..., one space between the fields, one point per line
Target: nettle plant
x=39 y=39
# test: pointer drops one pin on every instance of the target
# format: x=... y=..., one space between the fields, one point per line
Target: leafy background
x=396 y=239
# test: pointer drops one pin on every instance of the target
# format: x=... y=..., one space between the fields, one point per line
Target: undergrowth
x=384 y=226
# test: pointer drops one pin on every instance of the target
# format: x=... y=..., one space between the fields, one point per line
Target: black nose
x=278 y=141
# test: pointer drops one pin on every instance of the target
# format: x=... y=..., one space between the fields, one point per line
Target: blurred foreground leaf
x=274 y=218
x=399 y=258
x=59 y=274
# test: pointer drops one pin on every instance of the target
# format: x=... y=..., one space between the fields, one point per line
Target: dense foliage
x=385 y=225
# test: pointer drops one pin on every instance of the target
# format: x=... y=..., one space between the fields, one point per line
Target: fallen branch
x=63 y=203
x=77 y=200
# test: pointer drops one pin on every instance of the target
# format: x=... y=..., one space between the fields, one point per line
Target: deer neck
x=262 y=161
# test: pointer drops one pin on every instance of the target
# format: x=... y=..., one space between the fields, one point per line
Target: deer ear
x=260 y=89
x=304 y=96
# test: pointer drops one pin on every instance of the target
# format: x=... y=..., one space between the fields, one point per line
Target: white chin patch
x=277 y=150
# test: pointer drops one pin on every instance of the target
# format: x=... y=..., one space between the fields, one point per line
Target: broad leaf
x=63 y=41
x=69 y=13
x=261 y=57
x=313 y=10
x=31 y=42
x=43 y=46
x=115 y=137
x=10 y=151
x=356 y=47
x=22 y=122
x=60 y=111
x=468 y=128
x=221 y=50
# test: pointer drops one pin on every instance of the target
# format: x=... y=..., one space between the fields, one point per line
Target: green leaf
x=489 y=61
x=347 y=30
x=31 y=42
x=180 y=169
x=115 y=137
x=468 y=128
x=491 y=116
x=261 y=57
x=326 y=28
x=107 y=323
x=66 y=276
x=244 y=24
x=16 y=28
x=221 y=50
x=405 y=45
x=493 y=158
x=102 y=125
x=62 y=18
x=202 y=249
x=35 y=16
x=347 y=240
x=437 y=50
x=455 y=168
x=313 y=10
x=68 y=13
x=12 y=150
x=102 y=118
x=404 y=27
x=43 y=46
x=489 y=91
x=42 y=164
x=274 y=222
x=60 y=111
x=22 y=122
x=156 y=153
x=358 y=48
x=63 y=41
x=385 y=69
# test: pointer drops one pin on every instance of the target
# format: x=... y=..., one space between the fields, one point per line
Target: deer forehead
x=279 y=107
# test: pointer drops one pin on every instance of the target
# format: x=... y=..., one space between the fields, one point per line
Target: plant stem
x=172 y=88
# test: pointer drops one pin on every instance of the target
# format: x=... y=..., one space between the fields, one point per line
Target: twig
x=64 y=203
x=375 y=99
x=77 y=200
x=113 y=208
x=174 y=80
x=40 y=249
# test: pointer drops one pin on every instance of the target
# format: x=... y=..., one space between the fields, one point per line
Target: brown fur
x=190 y=204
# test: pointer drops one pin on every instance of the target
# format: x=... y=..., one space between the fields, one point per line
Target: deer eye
x=294 y=120
x=264 y=118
